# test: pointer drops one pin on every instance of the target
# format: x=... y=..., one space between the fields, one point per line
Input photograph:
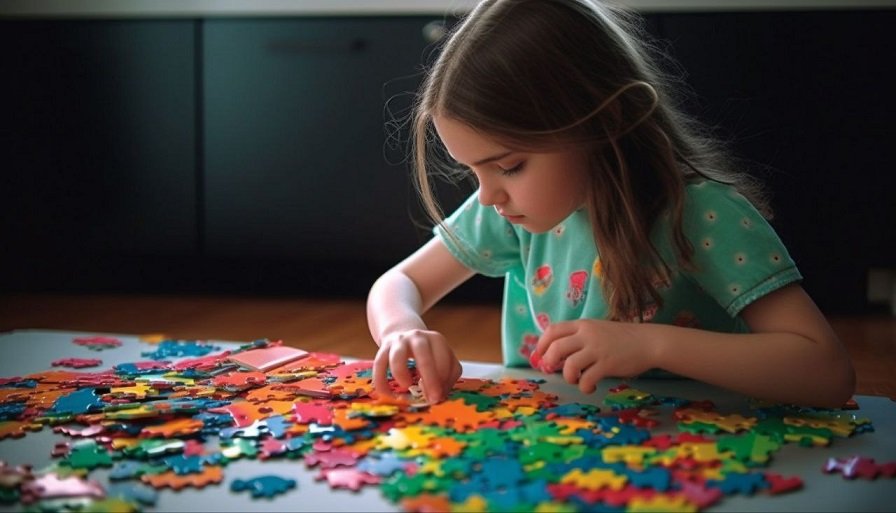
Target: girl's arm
x=791 y=356
x=395 y=306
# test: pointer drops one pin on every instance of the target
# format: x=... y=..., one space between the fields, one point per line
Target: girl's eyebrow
x=492 y=158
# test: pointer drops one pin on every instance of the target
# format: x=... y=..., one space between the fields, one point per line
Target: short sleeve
x=480 y=238
x=738 y=256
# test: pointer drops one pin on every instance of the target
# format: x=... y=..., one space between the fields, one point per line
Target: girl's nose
x=491 y=194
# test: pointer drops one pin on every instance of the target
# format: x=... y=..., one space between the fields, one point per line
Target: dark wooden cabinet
x=97 y=146
x=306 y=185
x=297 y=162
x=253 y=154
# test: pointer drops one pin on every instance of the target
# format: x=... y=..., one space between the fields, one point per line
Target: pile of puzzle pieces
x=178 y=418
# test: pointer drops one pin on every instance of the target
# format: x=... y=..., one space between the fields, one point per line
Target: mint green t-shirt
x=555 y=276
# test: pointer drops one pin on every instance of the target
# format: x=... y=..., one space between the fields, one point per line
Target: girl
x=626 y=239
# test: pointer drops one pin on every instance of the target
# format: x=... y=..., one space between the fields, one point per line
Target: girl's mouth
x=510 y=217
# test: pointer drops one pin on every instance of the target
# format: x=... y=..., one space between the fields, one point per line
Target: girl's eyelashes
x=467 y=170
x=512 y=170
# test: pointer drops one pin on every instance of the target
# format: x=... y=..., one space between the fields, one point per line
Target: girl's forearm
x=393 y=304
x=777 y=366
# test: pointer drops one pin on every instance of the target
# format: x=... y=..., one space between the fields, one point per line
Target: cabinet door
x=97 y=143
x=810 y=95
x=297 y=164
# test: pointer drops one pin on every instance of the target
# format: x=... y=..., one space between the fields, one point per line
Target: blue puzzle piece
x=132 y=369
x=599 y=507
x=177 y=348
x=295 y=443
x=518 y=498
x=277 y=425
x=11 y=411
x=27 y=383
x=746 y=484
x=78 y=402
x=614 y=432
x=657 y=478
x=182 y=465
x=586 y=411
x=212 y=422
x=534 y=491
x=461 y=491
x=193 y=374
x=133 y=492
x=384 y=464
x=266 y=486
x=130 y=469
x=125 y=469
x=502 y=473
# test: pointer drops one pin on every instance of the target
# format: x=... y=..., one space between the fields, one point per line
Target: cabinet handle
x=294 y=46
x=434 y=31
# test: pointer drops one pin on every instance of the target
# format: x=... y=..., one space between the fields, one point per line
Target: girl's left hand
x=590 y=350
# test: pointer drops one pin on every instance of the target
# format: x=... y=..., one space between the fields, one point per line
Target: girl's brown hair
x=547 y=74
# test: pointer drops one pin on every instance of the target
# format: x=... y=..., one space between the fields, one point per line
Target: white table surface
x=29 y=351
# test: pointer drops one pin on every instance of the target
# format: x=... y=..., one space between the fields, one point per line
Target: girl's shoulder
x=704 y=188
x=712 y=194
x=711 y=205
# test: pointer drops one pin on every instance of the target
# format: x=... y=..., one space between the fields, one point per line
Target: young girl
x=627 y=241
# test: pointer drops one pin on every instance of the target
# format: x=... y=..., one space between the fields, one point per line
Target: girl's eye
x=512 y=170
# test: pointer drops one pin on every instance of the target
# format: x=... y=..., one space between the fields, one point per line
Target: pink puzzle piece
x=50 y=486
x=350 y=478
x=97 y=342
x=239 y=380
x=76 y=363
x=332 y=458
x=268 y=358
x=318 y=412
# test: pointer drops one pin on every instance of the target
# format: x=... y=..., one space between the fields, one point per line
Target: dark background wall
x=252 y=155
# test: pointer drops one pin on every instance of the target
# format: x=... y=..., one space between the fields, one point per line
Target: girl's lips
x=510 y=217
x=513 y=219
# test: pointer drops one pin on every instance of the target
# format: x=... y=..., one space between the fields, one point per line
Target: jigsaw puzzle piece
x=267 y=486
x=859 y=466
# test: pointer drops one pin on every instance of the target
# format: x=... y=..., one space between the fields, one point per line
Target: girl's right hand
x=436 y=363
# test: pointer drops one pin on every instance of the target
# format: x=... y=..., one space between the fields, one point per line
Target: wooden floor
x=340 y=326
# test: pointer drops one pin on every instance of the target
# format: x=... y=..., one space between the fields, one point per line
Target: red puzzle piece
x=859 y=466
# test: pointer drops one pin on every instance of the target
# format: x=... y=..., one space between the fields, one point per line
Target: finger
x=452 y=374
x=553 y=333
x=450 y=369
x=576 y=363
x=457 y=372
x=380 y=371
x=429 y=370
x=590 y=377
x=573 y=367
x=555 y=356
x=398 y=362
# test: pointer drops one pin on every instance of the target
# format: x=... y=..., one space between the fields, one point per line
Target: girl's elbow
x=848 y=386
x=841 y=384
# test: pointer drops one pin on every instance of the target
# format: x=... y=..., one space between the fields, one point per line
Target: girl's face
x=534 y=190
